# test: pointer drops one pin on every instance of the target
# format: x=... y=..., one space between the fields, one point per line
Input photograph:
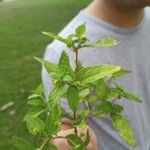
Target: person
x=128 y=21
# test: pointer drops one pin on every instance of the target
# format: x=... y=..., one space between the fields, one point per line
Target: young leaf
x=32 y=96
x=57 y=37
x=34 y=112
x=105 y=42
x=35 y=125
x=120 y=123
x=53 y=121
x=38 y=89
x=90 y=74
x=36 y=102
x=64 y=65
x=128 y=95
x=22 y=144
x=37 y=92
x=73 y=97
x=50 y=67
x=121 y=72
x=80 y=30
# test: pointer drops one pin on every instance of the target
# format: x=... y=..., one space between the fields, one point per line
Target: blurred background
x=21 y=23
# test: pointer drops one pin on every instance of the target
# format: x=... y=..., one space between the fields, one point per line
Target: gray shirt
x=132 y=53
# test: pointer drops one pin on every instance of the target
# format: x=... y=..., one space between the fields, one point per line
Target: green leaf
x=117 y=108
x=64 y=65
x=73 y=97
x=57 y=37
x=80 y=30
x=32 y=96
x=105 y=106
x=105 y=42
x=83 y=113
x=121 y=124
x=53 y=122
x=35 y=125
x=34 y=112
x=109 y=107
x=39 y=89
x=101 y=89
x=131 y=96
x=128 y=94
x=51 y=147
x=83 y=93
x=55 y=94
x=22 y=144
x=75 y=141
x=50 y=67
x=121 y=72
x=79 y=66
x=90 y=74
x=37 y=102
x=87 y=140
x=112 y=92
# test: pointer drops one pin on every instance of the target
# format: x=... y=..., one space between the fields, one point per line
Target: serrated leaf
x=50 y=67
x=80 y=30
x=53 y=122
x=22 y=144
x=105 y=106
x=90 y=74
x=112 y=92
x=64 y=65
x=73 y=97
x=128 y=94
x=109 y=107
x=57 y=37
x=55 y=94
x=131 y=96
x=101 y=89
x=35 y=125
x=120 y=73
x=117 y=108
x=34 y=112
x=105 y=42
x=36 y=102
x=121 y=124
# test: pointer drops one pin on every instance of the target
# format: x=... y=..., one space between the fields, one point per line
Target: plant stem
x=59 y=137
x=76 y=61
x=43 y=144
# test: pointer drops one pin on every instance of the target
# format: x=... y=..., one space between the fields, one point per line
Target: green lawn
x=21 y=22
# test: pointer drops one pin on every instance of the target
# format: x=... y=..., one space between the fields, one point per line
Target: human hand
x=67 y=129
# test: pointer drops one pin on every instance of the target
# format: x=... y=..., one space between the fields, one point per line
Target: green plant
x=76 y=84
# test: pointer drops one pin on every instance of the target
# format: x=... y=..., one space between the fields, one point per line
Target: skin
x=122 y=13
x=67 y=129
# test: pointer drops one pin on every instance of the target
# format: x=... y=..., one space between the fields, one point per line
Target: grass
x=21 y=22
